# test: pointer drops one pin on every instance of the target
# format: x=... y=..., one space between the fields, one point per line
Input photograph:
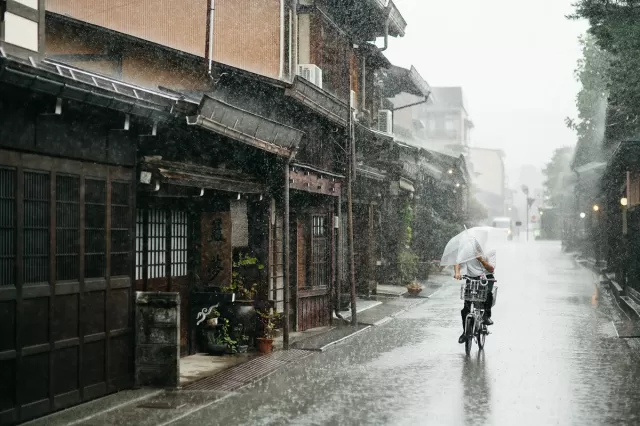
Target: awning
x=369 y=172
x=398 y=80
x=72 y=83
x=202 y=177
x=364 y=133
x=406 y=184
x=319 y=101
x=246 y=127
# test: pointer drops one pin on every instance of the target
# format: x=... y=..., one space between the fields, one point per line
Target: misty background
x=515 y=63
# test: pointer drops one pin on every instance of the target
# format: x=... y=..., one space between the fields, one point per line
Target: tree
x=615 y=25
x=554 y=173
x=593 y=74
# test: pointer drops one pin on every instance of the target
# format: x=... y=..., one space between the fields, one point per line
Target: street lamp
x=624 y=202
x=595 y=232
x=583 y=215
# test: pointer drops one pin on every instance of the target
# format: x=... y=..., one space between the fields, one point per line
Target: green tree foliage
x=593 y=74
x=616 y=28
x=554 y=173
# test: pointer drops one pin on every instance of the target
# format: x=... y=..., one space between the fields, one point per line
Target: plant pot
x=242 y=348
x=265 y=345
x=209 y=345
x=414 y=292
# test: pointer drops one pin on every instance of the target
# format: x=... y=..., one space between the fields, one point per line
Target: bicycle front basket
x=473 y=291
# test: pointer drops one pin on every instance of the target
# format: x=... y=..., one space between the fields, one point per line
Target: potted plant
x=224 y=341
x=245 y=278
x=414 y=288
x=269 y=319
x=209 y=327
x=243 y=344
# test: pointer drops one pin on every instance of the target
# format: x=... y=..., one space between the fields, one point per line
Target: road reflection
x=476 y=389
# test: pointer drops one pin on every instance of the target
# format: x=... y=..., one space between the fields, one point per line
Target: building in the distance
x=442 y=125
x=490 y=180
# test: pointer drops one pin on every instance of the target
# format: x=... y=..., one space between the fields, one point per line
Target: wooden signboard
x=216 y=248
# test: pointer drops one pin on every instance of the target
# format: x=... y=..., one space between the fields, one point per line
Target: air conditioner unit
x=385 y=121
x=353 y=100
x=311 y=73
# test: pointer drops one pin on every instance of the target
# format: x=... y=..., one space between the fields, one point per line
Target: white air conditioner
x=353 y=100
x=385 y=121
x=311 y=73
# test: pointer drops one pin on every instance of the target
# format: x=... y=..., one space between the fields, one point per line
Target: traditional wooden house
x=297 y=67
x=67 y=179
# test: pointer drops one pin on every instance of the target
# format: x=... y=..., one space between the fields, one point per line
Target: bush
x=407 y=265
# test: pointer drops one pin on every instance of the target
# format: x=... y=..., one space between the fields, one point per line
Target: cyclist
x=476 y=268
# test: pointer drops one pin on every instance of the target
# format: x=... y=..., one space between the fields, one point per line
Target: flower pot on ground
x=414 y=289
x=269 y=319
x=217 y=340
x=265 y=346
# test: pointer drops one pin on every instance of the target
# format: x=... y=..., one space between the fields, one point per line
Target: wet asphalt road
x=553 y=359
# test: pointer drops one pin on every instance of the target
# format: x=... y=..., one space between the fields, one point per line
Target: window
x=178 y=244
x=157 y=239
x=58 y=216
x=139 y=244
x=67 y=227
x=7 y=226
x=120 y=229
x=320 y=251
x=162 y=239
x=37 y=191
x=95 y=255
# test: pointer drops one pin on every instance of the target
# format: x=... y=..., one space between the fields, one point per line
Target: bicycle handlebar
x=467 y=277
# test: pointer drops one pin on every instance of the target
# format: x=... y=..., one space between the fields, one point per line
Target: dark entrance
x=66 y=249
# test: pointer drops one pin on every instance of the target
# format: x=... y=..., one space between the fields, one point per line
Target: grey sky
x=514 y=60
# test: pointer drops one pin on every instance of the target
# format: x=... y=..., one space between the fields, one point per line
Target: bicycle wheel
x=482 y=335
x=469 y=331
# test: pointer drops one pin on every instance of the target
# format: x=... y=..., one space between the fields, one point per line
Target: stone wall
x=157 y=339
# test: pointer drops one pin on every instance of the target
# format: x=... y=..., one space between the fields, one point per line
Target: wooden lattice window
x=157 y=243
x=67 y=227
x=37 y=220
x=95 y=228
x=179 y=221
x=140 y=244
x=7 y=226
x=120 y=229
x=320 y=253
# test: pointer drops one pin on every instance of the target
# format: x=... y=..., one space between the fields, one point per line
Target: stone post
x=157 y=339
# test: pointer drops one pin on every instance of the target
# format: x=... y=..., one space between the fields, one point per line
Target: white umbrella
x=471 y=243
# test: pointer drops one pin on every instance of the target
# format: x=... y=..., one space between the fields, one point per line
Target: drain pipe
x=209 y=52
x=386 y=30
x=287 y=254
x=293 y=39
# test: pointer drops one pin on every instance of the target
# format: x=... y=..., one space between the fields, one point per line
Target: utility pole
x=351 y=166
x=525 y=190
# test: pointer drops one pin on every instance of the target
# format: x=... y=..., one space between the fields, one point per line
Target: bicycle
x=475 y=291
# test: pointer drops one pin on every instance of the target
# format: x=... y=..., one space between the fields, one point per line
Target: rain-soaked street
x=553 y=358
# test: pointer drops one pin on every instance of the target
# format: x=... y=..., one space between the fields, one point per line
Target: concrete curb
x=343 y=339
x=624 y=302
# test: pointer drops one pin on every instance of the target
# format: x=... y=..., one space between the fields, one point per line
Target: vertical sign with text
x=216 y=248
